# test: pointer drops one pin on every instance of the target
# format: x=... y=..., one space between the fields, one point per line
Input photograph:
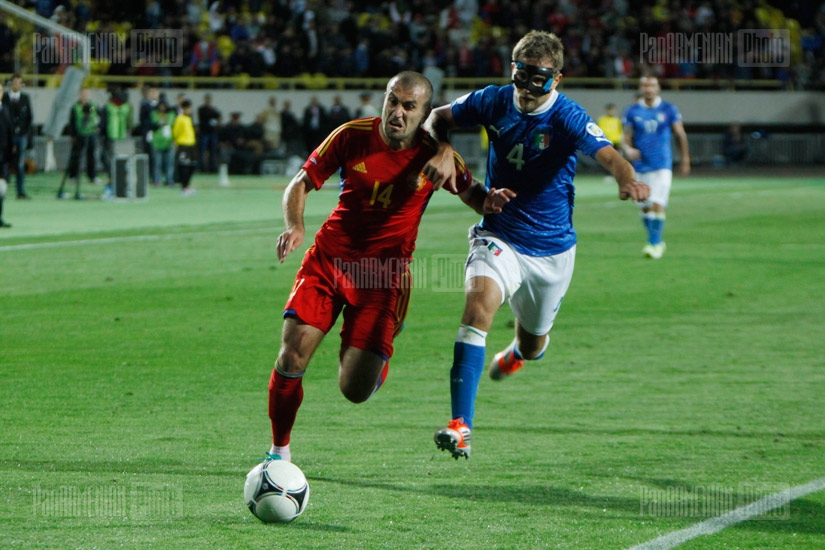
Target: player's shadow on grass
x=675 y=499
x=305 y=523
x=520 y=493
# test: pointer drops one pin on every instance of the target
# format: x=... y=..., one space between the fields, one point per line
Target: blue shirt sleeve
x=675 y=115
x=584 y=132
x=474 y=108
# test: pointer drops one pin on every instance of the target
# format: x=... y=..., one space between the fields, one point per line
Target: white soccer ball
x=276 y=491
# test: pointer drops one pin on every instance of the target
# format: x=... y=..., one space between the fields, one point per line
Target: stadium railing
x=321 y=82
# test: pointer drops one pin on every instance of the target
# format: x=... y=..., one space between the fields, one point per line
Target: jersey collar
x=656 y=102
x=543 y=108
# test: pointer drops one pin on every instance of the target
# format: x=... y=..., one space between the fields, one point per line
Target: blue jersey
x=534 y=154
x=652 y=133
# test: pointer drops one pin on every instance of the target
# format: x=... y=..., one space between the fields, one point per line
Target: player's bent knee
x=533 y=348
x=291 y=362
x=354 y=392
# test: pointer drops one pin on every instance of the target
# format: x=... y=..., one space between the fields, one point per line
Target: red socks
x=285 y=396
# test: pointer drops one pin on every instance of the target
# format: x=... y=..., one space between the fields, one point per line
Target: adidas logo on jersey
x=360 y=167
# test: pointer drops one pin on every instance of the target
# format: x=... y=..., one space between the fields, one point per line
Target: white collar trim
x=656 y=102
x=543 y=108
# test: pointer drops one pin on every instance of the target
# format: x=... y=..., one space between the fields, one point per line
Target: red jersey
x=383 y=192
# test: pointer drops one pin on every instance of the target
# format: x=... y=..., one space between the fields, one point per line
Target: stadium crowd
x=464 y=38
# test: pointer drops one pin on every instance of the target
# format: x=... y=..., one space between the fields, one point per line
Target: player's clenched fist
x=635 y=190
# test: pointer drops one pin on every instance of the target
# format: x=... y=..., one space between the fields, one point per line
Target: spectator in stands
x=255 y=143
x=311 y=42
x=204 y=59
x=241 y=145
x=366 y=108
x=338 y=113
x=153 y=14
x=376 y=42
x=6 y=151
x=734 y=146
x=82 y=14
x=291 y=131
x=288 y=54
x=7 y=43
x=216 y=18
x=231 y=138
x=44 y=8
x=314 y=124
x=209 y=119
x=272 y=126
x=240 y=30
x=361 y=57
x=265 y=48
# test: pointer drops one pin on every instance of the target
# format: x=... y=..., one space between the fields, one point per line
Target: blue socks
x=465 y=374
x=655 y=225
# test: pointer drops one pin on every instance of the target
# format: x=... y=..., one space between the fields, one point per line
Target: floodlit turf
x=138 y=339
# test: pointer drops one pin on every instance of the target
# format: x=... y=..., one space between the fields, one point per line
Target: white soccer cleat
x=654 y=251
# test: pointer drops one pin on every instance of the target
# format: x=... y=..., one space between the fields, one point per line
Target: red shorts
x=373 y=293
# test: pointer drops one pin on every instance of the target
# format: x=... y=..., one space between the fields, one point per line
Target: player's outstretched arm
x=681 y=136
x=293 y=205
x=624 y=173
x=483 y=201
x=440 y=169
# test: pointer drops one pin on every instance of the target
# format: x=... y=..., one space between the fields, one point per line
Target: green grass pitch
x=137 y=339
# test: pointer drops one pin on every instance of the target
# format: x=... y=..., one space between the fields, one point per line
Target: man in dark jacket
x=20 y=112
x=6 y=149
x=84 y=123
x=209 y=119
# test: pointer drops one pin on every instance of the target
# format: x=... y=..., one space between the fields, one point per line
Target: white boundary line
x=744 y=513
x=108 y=240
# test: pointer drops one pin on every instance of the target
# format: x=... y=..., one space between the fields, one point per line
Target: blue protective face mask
x=537 y=80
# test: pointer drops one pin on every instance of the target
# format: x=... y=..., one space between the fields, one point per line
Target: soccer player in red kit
x=358 y=264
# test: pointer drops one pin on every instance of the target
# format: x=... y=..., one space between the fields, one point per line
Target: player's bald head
x=410 y=80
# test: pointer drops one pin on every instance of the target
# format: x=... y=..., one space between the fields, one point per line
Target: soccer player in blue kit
x=648 y=128
x=525 y=254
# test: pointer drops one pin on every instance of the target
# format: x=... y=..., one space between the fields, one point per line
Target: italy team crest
x=541 y=140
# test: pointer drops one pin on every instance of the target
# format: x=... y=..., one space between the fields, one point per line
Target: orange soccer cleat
x=504 y=364
x=454 y=438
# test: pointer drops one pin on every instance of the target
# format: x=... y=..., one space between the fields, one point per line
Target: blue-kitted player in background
x=525 y=254
x=649 y=125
